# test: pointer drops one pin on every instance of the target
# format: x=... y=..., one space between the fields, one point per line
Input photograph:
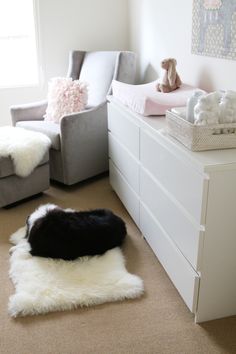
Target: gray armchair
x=79 y=142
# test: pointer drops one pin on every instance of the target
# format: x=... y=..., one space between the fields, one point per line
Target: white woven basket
x=201 y=137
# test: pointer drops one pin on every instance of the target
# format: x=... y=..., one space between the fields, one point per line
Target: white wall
x=161 y=29
x=156 y=29
x=66 y=25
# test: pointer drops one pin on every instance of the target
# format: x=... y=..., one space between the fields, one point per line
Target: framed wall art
x=214 y=28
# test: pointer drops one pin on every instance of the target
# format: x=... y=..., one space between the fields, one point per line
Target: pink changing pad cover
x=147 y=101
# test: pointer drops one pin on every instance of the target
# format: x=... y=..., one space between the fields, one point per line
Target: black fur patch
x=69 y=235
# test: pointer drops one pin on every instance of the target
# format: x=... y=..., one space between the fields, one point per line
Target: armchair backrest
x=99 y=68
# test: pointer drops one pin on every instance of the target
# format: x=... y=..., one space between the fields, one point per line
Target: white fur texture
x=207 y=109
x=39 y=213
x=18 y=236
x=26 y=148
x=65 y=96
x=45 y=285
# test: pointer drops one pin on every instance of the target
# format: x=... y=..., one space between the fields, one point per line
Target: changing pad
x=146 y=100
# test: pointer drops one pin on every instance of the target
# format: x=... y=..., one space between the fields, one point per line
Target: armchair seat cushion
x=52 y=130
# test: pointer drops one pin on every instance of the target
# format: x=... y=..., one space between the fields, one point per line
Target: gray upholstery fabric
x=88 y=157
x=83 y=151
x=76 y=58
x=50 y=129
x=14 y=188
x=126 y=67
x=7 y=168
x=32 y=111
x=98 y=71
x=57 y=169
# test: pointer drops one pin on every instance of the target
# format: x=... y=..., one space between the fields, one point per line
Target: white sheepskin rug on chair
x=45 y=285
x=26 y=148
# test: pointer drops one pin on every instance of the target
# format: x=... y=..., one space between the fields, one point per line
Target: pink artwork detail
x=212 y=4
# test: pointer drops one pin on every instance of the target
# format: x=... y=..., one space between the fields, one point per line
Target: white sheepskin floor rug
x=45 y=285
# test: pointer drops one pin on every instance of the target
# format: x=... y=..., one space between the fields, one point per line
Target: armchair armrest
x=73 y=118
x=29 y=111
x=82 y=127
x=84 y=143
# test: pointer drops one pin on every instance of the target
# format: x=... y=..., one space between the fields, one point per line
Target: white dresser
x=184 y=204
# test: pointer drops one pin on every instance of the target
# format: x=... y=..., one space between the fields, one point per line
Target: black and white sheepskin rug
x=45 y=285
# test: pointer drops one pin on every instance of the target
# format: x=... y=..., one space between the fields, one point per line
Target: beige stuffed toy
x=171 y=80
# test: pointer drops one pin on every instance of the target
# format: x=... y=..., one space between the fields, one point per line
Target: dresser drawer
x=125 y=162
x=185 y=279
x=179 y=178
x=124 y=128
x=185 y=234
x=126 y=194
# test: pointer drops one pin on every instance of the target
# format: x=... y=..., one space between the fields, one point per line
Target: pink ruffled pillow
x=65 y=96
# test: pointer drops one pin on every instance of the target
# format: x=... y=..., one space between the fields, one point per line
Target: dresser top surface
x=204 y=161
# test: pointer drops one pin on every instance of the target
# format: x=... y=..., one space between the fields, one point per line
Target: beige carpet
x=159 y=322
